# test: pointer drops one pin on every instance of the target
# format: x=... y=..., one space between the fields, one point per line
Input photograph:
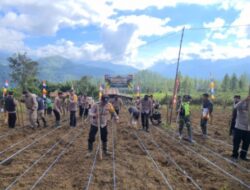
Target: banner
x=119 y=81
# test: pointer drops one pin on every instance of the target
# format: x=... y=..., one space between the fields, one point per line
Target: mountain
x=57 y=68
x=203 y=68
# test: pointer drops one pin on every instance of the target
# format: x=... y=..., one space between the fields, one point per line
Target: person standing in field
x=10 y=107
x=242 y=130
x=184 y=117
x=100 y=111
x=40 y=111
x=58 y=109
x=85 y=103
x=146 y=108
x=80 y=105
x=234 y=115
x=117 y=104
x=207 y=109
x=73 y=108
x=31 y=106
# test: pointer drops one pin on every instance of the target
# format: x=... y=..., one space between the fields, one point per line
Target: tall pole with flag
x=5 y=89
x=44 y=91
x=212 y=86
x=176 y=83
x=137 y=90
x=100 y=91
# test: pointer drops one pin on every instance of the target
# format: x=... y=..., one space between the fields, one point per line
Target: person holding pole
x=40 y=112
x=10 y=107
x=207 y=109
x=100 y=114
x=242 y=130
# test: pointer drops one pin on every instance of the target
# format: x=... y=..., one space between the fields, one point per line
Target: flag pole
x=176 y=78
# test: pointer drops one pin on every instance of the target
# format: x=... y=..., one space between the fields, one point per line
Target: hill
x=203 y=68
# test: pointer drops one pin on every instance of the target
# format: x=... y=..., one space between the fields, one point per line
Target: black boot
x=104 y=148
x=90 y=149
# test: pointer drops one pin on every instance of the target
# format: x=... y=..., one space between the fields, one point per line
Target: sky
x=139 y=33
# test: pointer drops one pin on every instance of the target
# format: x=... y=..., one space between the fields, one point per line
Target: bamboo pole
x=18 y=114
x=176 y=78
x=21 y=110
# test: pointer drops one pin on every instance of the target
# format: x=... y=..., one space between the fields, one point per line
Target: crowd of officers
x=99 y=114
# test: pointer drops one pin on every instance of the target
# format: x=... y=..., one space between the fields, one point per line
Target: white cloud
x=68 y=49
x=11 y=40
x=122 y=36
x=218 y=22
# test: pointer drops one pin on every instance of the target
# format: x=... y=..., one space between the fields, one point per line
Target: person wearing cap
x=100 y=111
x=73 y=100
x=207 y=109
x=241 y=130
x=234 y=115
x=31 y=105
x=146 y=108
x=58 y=109
x=117 y=104
x=10 y=107
x=184 y=117
x=40 y=111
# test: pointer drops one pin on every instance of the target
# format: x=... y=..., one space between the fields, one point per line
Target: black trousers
x=49 y=111
x=92 y=134
x=80 y=111
x=117 y=111
x=93 y=131
x=11 y=120
x=204 y=126
x=57 y=115
x=244 y=136
x=86 y=112
x=144 y=120
x=73 y=118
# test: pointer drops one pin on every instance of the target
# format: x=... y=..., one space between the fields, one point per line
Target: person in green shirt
x=184 y=117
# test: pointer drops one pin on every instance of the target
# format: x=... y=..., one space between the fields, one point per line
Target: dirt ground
x=135 y=167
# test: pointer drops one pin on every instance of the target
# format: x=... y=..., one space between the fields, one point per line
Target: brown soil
x=134 y=169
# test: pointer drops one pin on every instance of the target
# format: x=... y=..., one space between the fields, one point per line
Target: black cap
x=237 y=96
x=205 y=95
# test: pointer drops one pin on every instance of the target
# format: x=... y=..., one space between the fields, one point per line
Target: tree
x=243 y=82
x=225 y=83
x=23 y=71
x=234 y=83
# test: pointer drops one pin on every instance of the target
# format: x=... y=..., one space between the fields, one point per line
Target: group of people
x=99 y=115
x=38 y=106
x=239 y=127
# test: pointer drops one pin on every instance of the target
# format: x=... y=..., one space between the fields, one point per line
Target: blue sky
x=122 y=32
